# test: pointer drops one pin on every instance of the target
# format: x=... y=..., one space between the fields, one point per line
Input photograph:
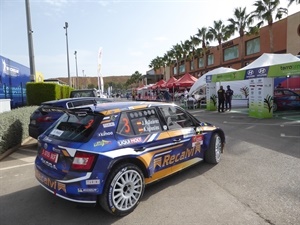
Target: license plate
x=50 y=156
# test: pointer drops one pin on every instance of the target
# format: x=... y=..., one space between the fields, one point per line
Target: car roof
x=127 y=105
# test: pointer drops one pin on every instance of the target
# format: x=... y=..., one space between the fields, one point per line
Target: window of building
x=210 y=59
x=231 y=53
x=175 y=70
x=182 y=68
x=200 y=62
x=253 y=46
x=192 y=65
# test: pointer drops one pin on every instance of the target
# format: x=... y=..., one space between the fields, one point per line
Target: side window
x=124 y=126
x=139 y=122
x=176 y=118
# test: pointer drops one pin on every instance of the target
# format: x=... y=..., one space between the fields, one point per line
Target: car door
x=142 y=134
x=187 y=144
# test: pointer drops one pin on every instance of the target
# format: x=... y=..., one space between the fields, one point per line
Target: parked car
x=285 y=99
x=83 y=93
x=108 y=153
x=41 y=120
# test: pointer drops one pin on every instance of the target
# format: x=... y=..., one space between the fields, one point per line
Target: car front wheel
x=123 y=190
x=213 y=154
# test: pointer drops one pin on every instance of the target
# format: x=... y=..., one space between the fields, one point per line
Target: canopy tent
x=267 y=65
x=158 y=84
x=186 y=81
x=260 y=74
x=201 y=82
x=169 y=83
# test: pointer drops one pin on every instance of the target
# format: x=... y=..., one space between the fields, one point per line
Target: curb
x=15 y=148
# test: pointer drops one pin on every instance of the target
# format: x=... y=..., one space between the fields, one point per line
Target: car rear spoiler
x=83 y=111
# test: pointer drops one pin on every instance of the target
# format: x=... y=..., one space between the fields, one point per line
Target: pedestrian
x=228 y=95
x=167 y=96
x=221 y=99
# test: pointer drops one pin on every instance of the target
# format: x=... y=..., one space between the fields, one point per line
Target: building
x=239 y=52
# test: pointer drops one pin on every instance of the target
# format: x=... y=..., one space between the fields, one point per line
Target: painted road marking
x=17 y=166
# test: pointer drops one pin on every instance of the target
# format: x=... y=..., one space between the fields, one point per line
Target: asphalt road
x=256 y=182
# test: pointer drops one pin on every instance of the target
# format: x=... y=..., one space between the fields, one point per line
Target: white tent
x=268 y=59
x=201 y=82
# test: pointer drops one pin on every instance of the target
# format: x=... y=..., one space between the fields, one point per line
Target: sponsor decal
x=105 y=133
x=92 y=182
x=169 y=159
x=111 y=124
x=53 y=184
x=101 y=143
x=56 y=132
x=49 y=164
x=9 y=70
x=88 y=190
x=257 y=72
x=130 y=141
x=46 y=139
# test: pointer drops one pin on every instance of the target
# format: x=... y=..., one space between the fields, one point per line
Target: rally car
x=107 y=153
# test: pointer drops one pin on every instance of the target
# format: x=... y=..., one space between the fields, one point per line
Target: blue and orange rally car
x=107 y=153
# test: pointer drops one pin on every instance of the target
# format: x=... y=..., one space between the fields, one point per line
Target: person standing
x=228 y=95
x=221 y=99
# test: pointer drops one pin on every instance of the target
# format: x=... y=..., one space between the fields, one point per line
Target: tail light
x=83 y=161
x=44 y=119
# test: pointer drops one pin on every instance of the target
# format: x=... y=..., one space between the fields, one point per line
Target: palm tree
x=242 y=24
x=265 y=9
x=177 y=52
x=204 y=37
x=194 y=44
x=220 y=33
x=186 y=49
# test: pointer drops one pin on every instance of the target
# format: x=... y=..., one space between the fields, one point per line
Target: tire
x=123 y=190
x=275 y=107
x=213 y=154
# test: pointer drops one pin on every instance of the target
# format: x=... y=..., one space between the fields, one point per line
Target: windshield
x=78 y=128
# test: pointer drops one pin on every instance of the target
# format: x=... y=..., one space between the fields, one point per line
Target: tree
x=177 y=52
x=265 y=9
x=241 y=22
x=204 y=37
x=293 y=1
x=220 y=33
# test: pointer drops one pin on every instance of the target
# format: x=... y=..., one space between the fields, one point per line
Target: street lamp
x=75 y=53
x=66 y=28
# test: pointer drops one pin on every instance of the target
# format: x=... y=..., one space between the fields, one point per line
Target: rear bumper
x=71 y=191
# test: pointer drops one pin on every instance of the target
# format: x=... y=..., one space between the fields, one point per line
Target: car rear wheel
x=274 y=107
x=123 y=190
x=213 y=154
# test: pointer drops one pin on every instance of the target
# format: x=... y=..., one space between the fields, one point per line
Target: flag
x=100 y=79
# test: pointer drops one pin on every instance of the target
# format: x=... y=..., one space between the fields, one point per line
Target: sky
x=131 y=33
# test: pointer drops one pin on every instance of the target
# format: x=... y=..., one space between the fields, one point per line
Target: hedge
x=14 y=127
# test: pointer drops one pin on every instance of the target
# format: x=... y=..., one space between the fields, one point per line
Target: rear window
x=75 y=128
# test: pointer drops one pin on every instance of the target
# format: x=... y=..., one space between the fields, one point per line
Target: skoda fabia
x=107 y=153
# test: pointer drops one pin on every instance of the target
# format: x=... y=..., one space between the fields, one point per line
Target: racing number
x=126 y=125
x=89 y=124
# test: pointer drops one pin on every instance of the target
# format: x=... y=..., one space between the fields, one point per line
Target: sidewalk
x=27 y=143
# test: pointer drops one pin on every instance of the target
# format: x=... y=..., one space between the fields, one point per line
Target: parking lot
x=256 y=182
